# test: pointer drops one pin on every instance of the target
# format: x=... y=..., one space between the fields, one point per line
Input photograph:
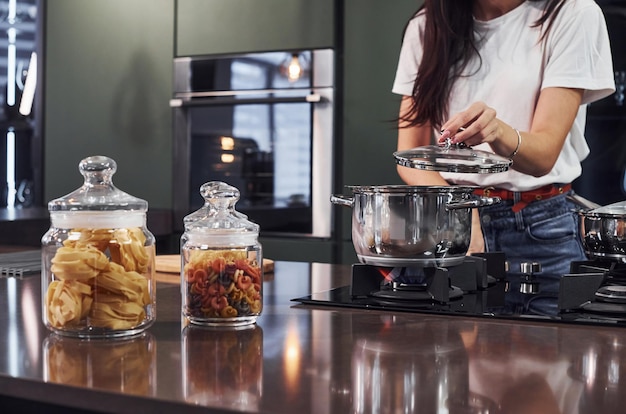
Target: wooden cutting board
x=168 y=267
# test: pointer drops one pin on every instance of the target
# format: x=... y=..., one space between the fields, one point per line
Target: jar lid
x=217 y=222
x=97 y=192
x=448 y=157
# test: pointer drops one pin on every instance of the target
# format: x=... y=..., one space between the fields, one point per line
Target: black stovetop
x=481 y=287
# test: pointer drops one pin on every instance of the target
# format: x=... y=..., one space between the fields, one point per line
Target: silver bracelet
x=519 y=142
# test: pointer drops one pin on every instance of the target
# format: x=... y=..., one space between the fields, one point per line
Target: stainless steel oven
x=251 y=121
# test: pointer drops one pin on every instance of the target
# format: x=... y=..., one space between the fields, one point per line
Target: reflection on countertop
x=306 y=359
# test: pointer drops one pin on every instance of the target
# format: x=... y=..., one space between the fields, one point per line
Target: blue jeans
x=545 y=231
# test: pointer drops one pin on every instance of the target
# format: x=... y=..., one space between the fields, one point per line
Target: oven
x=263 y=123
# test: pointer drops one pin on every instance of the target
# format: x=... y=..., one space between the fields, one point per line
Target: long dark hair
x=449 y=43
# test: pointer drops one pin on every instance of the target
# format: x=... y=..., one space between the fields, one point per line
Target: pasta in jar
x=100 y=278
x=221 y=284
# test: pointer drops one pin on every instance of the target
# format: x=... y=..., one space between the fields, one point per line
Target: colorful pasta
x=221 y=284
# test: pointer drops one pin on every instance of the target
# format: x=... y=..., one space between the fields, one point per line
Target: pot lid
x=411 y=189
x=615 y=210
x=452 y=158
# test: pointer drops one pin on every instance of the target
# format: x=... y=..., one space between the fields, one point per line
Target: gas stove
x=594 y=292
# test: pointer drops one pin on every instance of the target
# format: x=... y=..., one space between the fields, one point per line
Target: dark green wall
x=107 y=80
x=372 y=36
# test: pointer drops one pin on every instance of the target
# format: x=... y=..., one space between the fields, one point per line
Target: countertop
x=303 y=359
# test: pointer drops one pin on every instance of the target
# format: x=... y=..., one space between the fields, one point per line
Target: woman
x=511 y=77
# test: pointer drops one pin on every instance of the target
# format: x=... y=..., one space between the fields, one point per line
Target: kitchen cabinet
x=233 y=26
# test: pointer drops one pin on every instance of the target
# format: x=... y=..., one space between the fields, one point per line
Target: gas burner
x=612 y=294
x=614 y=270
x=617 y=274
x=402 y=283
x=595 y=286
x=402 y=292
x=605 y=308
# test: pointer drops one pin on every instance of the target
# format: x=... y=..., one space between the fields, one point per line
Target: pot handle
x=582 y=203
x=473 y=203
x=342 y=200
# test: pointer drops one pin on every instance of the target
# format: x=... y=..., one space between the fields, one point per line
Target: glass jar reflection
x=126 y=365
x=223 y=367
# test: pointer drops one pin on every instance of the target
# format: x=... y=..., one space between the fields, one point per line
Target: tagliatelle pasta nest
x=78 y=263
x=68 y=301
x=127 y=249
x=221 y=284
x=91 y=289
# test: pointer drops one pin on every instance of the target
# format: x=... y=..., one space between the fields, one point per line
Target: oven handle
x=185 y=102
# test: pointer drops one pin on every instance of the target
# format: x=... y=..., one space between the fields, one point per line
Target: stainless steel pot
x=604 y=231
x=401 y=225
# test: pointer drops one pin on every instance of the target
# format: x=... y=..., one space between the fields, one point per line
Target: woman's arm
x=539 y=148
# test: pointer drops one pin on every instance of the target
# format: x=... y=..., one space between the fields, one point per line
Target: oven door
x=267 y=136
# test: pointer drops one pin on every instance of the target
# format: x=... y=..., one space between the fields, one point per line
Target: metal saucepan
x=401 y=225
x=603 y=231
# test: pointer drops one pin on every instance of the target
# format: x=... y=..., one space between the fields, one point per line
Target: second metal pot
x=604 y=232
x=400 y=225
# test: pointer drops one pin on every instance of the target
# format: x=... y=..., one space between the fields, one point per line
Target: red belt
x=525 y=197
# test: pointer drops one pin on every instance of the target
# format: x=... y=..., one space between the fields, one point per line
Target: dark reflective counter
x=306 y=359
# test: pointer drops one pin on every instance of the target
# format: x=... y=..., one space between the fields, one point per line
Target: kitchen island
x=307 y=359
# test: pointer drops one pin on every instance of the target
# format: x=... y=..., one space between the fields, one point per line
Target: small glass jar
x=222 y=273
x=98 y=259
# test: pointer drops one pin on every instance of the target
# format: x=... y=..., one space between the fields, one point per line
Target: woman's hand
x=478 y=124
x=536 y=149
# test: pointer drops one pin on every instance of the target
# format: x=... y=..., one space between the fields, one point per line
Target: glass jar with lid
x=98 y=259
x=222 y=273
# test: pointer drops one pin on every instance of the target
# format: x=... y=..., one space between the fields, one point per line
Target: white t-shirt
x=514 y=68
